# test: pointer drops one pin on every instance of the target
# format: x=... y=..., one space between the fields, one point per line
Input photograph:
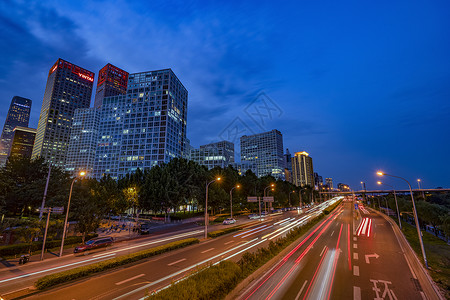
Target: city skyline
x=377 y=109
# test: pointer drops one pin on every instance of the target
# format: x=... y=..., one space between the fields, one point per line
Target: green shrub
x=65 y=276
x=331 y=208
x=211 y=283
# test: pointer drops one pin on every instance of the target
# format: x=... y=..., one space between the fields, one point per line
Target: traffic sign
x=58 y=210
x=252 y=199
x=268 y=199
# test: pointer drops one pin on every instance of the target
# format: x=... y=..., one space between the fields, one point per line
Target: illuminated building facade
x=220 y=154
x=18 y=115
x=302 y=169
x=112 y=81
x=265 y=150
x=22 y=142
x=68 y=87
x=83 y=141
x=329 y=183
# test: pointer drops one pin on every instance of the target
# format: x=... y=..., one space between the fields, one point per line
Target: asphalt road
x=339 y=260
x=133 y=281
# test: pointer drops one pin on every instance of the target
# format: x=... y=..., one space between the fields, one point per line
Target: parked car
x=93 y=244
x=144 y=228
x=229 y=221
x=253 y=216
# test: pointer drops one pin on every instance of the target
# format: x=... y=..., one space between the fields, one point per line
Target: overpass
x=386 y=191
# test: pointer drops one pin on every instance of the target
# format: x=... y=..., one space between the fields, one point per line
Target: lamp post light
x=206 y=206
x=270 y=186
x=418 y=183
x=363 y=185
x=396 y=203
x=416 y=219
x=81 y=174
x=290 y=197
x=231 y=199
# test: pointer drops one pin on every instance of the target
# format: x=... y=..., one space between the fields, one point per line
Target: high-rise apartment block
x=329 y=183
x=68 y=87
x=318 y=180
x=83 y=141
x=302 y=169
x=18 y=115
x=112 y=81
x=220 y=154
x=265 y=150
x=22 y=142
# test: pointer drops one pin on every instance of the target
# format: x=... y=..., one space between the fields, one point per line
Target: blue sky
x=360 y=86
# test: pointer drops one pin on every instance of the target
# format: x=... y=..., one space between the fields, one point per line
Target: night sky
x=360 y=85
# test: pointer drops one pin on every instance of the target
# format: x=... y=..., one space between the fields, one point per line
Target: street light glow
x=418 y=180
x=380 y=173
x=379 y=182
x=218 y=178
x=82 y=173
x=238 y=186
x=272 y=184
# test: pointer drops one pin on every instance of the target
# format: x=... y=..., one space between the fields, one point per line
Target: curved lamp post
x=396 y=203
x=416 y=219
x=231 y=199
x=81 y=174
x=206 y=206
x=270 y=186
x=290 y=197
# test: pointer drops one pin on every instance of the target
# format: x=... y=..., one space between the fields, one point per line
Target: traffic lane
x=283 y=270
x=384 y=269
x=165 y=268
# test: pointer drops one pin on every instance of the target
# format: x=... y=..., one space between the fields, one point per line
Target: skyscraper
x=22 y=143
x=112 y=81
x=83 y=141
x=150 y=122
x=18 y=115
x=329 y=183
x=302 y=169
x=68 y=87
x=265 y=150
x=220 y=154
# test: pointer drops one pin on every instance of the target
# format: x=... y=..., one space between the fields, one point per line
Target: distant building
x=18 y=115
x=83 y=141
x=242 y=168
x=302 y=169
x=288 y=166
x=220 y=154
x=22 y=143
x=112 y=81
x=265 y=150
x=68 y=87
x=329 y=183
x=343 y=187
x=318 y=180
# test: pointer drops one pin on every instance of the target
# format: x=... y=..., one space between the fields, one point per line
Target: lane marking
x=208 y=250
x=312 y=279
x=355 y=238
x=322 y=250
x=245 y=232
x=129 y=279
x=355 y=255
x=355 y=246
x=301 y=290
x=229 y=242
x=338 y=250
x=332 y=233
x=175 y=262
x=252 y=233
x=349 y=257
x=356 y=270
x=356 y=293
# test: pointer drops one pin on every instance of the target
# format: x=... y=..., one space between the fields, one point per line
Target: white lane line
x=245 y=232
x=355 y=246
x=355 y=238
x=322 y=250
x=355 y=255
x=103 y=254
x=207 y=250
x=356 y=293
x=129 y=279
x=175 y=262
x=423 y=295
x=51 y=269
x=252 y=233
x=356 y=270
x=301 y=290
x=332 y=233
x=229 y=242
x=282 y=221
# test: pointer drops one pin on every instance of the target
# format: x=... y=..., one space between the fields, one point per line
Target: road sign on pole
x=268 y=199
x=252 y=199
x=58 y=210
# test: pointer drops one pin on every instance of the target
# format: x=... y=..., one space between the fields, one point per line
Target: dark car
x=144 y=228
x=94 y=244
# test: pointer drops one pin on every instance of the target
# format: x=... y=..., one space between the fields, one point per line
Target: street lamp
x=290 y=197
x=363 y=185
x=396 y=203
x=423 y=194
x=81 y=174
x=415 y=215
x=270 y=186
x=231 y=199
x=206 y=206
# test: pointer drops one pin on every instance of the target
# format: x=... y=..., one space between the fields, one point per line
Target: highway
x=341 y=260
x=133 y=281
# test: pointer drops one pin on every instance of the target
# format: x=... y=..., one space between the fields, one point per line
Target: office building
x=288 y=166
x=68 y=87
x=22 y=142
x=329 y=183
x=265 y=150
x=111 y=81
x=242 y=168
x=302 y=169
x=83 y=141
x=220 y=154
x=318 y=180
x=18 y=115
x=343 y=187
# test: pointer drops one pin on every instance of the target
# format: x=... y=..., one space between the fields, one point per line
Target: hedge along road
x=132 y=282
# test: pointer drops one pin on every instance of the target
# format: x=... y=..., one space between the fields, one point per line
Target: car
x=144 y=228
x=253 y=216
x=93 y=244
x=229 y=221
